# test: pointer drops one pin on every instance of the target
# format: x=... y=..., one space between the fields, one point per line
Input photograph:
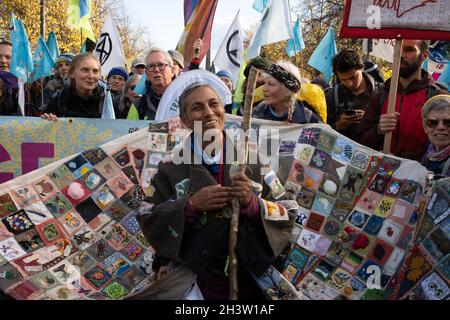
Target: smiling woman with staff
x=188 y=220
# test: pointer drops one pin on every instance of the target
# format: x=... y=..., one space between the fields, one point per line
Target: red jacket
x=409 y=139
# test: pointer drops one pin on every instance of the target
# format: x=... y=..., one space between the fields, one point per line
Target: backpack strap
x=336 y=95
x=446 y=167
x=434 y=90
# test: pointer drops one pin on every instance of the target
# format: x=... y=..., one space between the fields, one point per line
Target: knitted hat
x=258 y=63
x=65 y=57
x=289 y=80
x=119 y=71
x=225 y=73
x=177 y=57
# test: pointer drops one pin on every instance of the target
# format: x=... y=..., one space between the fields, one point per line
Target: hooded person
x=62 y=66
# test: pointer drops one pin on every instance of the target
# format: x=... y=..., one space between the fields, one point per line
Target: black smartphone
x=349 y=112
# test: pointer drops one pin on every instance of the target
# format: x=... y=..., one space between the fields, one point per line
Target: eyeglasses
x=160 y=66
x=133 y=87
x=433 y=123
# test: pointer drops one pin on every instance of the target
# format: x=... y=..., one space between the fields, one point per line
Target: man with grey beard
x=415 y=87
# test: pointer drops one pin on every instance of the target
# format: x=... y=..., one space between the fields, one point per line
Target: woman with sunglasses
x=436 y=123
x=128 y=97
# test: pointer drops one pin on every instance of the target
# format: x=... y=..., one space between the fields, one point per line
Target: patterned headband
x=286 y=78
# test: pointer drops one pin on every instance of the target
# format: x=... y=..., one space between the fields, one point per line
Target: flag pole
x=234 y=224
x=295 y=46
x=43 y=19
x=393 y=90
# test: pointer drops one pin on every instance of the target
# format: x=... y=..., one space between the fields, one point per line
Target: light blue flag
x=296 y=44
x=108 y=107
x=84 y=7
x=444 y=78
x=42 y=61
x=52 y=45
x=425 y=65
x=322 y=57
x=260 y=5
x=140 y=87
x=21 y=62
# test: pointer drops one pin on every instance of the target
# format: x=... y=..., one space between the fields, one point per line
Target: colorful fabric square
x=95 y=156
x=88 y=210
x=310 y=136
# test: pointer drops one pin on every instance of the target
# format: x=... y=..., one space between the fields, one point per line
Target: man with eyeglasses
x=415 y=87
x=159 y=76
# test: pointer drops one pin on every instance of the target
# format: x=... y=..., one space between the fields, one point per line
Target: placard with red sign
x=390 y=19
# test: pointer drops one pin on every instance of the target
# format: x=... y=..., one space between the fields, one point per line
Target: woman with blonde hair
x=281 y=86
x=83 y=97
x=436 y=123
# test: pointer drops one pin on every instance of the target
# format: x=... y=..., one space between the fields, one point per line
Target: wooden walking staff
x=393 y=91
x=245 y=126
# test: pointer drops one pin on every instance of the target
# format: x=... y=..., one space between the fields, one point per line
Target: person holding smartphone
x=348 y=100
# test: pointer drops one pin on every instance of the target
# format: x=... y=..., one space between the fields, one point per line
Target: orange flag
x=199 y=26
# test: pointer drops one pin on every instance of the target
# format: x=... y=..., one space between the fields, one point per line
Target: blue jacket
x=301 y=114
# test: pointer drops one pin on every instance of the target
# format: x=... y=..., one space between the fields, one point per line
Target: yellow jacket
x=314 y=96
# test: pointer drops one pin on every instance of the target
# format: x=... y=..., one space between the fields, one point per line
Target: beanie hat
x=225 y=73
x=258 y=63
x=65 y=57
x=289 y=80
x=119 y=71
x=177 y=57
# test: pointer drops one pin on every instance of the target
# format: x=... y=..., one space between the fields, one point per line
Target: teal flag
x=140 y=87
x=260 y=5
x=108 y=107
x=296 y=44
x=322 y=57
x=42 y=61
x=52 y=45
x=21 y=62
x=445 y=76
x=83 y=48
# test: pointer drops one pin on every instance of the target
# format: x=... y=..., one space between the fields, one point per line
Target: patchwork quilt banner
x=27 y=144
x=368 y=225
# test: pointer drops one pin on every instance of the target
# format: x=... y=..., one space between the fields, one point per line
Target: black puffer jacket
x=69 y=104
